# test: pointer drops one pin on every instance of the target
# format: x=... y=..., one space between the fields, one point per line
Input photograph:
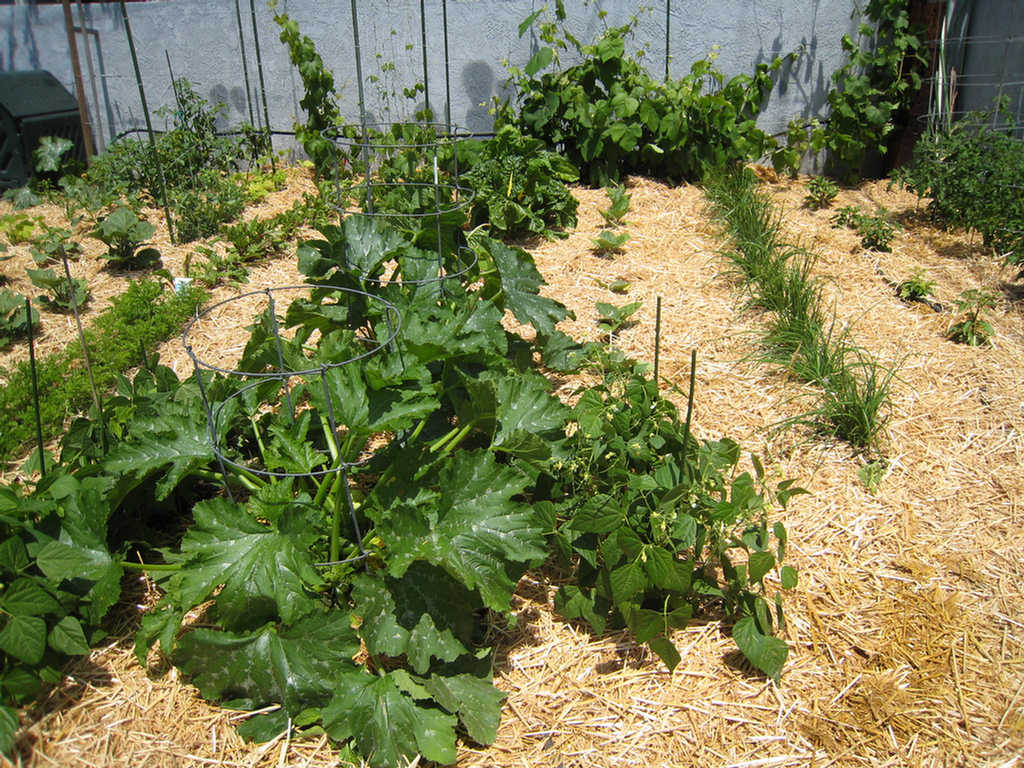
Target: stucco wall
x=201 y=39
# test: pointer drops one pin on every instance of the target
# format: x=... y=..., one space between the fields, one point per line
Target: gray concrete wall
x=201 y=39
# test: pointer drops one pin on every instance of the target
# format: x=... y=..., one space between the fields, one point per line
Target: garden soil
x=906 y=631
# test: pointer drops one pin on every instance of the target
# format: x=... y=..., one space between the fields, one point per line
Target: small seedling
x=613 y=216
x=973 y=330
x=609 y=242
x=613 y=319
x=847 y=216
x=821 y=193
x=619 y=285
x=876 y=232
x=47 y=247
x=13 y=318
x=124 y=232
x=58 y=296
x=873 y=473
x=917 y=287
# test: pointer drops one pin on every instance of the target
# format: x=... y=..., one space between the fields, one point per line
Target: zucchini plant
x=377 y=510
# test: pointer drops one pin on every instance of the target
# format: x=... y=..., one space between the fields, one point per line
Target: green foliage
x=54 y=242
x=610 y=117
x=57 y=580
x=123 y=231
x=612 y=318
x=871 y=94
x=872 y=473
x=916 y=287
x=49 y=155
x=876 y=231
x=520 y=187
x=973 y=329
x=655 y=525
x=203 y=209
x=21 y=198
x=319 y=100
x=18 y=228
x=59 y=291
x=608 y=241
x=972 y=173
x=615 y=213
x=14 y=318
x=821 y=192
x=145 y=314
x=197 y=168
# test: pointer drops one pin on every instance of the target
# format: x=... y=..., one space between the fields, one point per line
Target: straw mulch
x=907 y=627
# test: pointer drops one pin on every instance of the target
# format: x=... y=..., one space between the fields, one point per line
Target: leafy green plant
x=872 y=91
x=144 y=315
x=917 y=287
x=520 y=187
x=872 y=473
x=123 y=231
x=821 y=192
x=49 y=155
x=876 y=231
x=319 y=99
x=613 y=319
x=44 y=617
x=21 y=198
x=618 y=285
x=18 y=227
x=610 y=117
x=213 y=268
x=14 y=319
x=973 y=329
x=54 y=242
x=653 y=529
x=58 y=290
x=202 y=209
x=614 y=215
x=971 y=173
x=608 y=241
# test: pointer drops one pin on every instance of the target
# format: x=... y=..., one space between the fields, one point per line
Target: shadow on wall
x=478 y=84
x=236 y=108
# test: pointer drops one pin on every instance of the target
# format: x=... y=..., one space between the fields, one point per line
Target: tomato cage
x=404 y=177
x=284 y=396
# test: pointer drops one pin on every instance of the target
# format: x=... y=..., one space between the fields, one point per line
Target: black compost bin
x=33 y=104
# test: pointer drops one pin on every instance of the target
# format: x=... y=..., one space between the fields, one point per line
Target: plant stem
x=169 y=567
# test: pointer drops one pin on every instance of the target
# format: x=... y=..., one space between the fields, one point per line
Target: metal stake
x=35 y=386
x=149 y=122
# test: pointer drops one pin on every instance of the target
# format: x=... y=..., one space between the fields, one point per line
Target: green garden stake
x=149 y=123
x=145 y=359
x=245 y=63
x=35 y=386
x=263 y=86
x=85 y=349
x=657 y=339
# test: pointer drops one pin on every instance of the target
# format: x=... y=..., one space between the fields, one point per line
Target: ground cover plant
x=973 y=329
